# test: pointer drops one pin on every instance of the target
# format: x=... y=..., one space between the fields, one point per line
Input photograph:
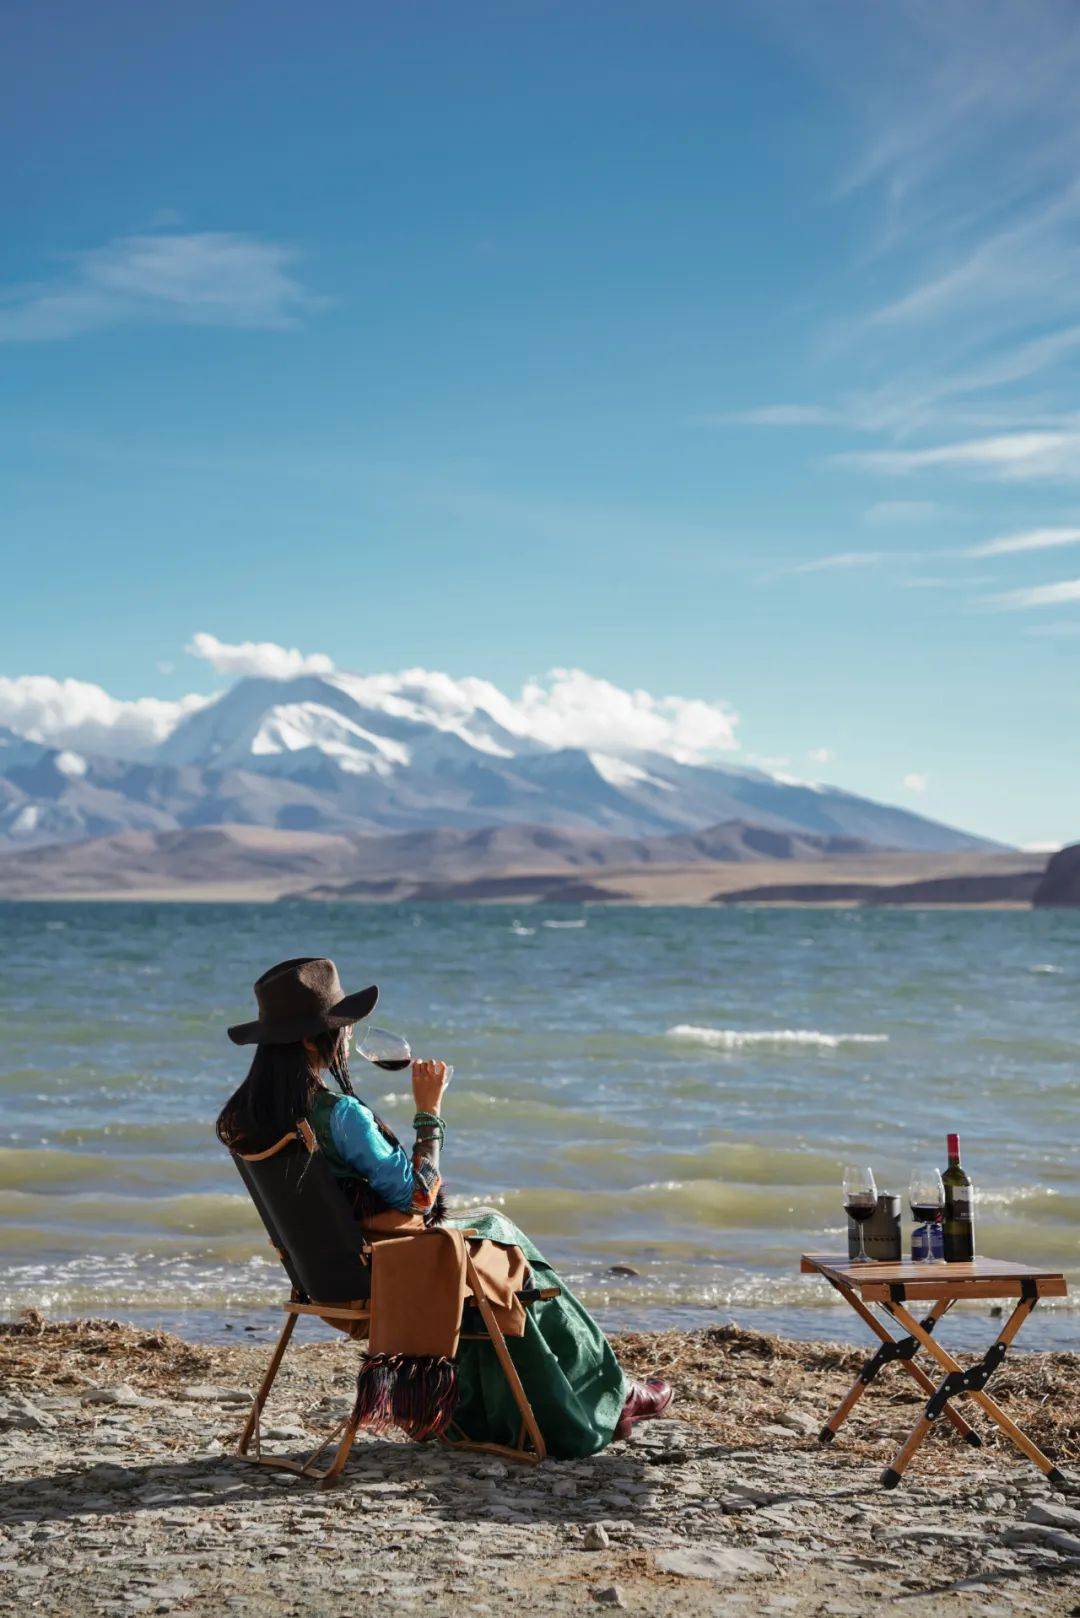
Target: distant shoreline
x=242 y=896
x=230 y=865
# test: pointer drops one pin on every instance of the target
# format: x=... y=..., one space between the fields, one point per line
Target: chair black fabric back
x=309 y=1220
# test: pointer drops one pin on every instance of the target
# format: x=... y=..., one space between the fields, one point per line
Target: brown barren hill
x=1061 y=883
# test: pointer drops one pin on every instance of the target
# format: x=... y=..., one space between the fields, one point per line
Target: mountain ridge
x=522 y=864
x=341 y=755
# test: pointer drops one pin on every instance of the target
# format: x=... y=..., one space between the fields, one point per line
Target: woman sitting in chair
x=578 y=1392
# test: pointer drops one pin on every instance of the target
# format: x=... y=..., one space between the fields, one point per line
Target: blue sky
x=723 y=351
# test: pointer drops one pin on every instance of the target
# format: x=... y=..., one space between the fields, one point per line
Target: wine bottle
x=958 y=1224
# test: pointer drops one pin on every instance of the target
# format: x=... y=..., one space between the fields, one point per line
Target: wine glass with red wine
x=926 y=1198
x=381 y=1048
x=860 y=1200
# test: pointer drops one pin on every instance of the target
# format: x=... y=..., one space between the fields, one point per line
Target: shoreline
x=122 y=1496
x=243 y=896
x=227 y=871
x=1054 y=1329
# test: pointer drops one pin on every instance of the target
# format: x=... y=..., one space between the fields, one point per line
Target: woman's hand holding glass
x=429 y=1080
x=393 y=1053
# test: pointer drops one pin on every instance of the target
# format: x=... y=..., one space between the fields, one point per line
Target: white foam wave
x=736 y=1039
x=1009 y=1195
x=1046 y=970
x=565 y=924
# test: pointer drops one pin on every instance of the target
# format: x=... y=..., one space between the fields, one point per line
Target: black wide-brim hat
x=299 y=999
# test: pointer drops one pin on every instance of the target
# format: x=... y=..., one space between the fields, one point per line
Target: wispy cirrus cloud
x=837 y=562
x=207 y=278
x=1035 y=539
x=1006 y=456
x=1036 y=595
x=958 y=313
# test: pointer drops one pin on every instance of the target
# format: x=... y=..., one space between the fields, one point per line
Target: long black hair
x=278 y=1090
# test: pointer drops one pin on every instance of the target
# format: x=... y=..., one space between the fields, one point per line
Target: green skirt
x=566 y=1365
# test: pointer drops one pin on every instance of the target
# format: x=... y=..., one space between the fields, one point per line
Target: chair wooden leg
x=528 y=1432
x=251 y=1426
x=306 y=1468
x=529 y=1426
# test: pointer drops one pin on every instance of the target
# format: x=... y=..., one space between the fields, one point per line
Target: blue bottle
x=937 y=1242
x=920 y=1244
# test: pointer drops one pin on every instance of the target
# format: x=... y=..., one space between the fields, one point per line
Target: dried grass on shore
x=730 y=1383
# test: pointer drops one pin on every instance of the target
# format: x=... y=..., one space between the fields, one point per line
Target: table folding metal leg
x=903 y=1350
x=973 y=1382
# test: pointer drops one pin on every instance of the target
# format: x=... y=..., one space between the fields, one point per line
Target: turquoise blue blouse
x=354 y=1144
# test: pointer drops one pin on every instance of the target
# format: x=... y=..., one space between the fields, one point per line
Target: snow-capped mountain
x=347 y=754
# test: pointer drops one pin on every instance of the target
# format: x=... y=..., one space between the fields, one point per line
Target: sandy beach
x=120 y=1495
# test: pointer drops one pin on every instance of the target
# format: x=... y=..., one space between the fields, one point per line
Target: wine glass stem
x=862 y=1241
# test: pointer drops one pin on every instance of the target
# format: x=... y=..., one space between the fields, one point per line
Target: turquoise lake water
x=673 y=1090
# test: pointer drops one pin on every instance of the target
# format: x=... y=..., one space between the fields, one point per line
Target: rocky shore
x=118 y=1494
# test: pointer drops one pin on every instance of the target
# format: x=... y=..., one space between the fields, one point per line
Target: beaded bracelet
x=424 y=1120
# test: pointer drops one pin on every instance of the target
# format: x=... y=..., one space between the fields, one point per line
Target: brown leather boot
x=644 y=1401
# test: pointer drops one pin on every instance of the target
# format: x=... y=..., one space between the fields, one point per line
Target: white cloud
x=209 y=278
x=963 y=208
x=260 y=658
x=76 y=715
x=1011 y=456
x=573 y=709
x=821 y=755
x=1037 y=595
x=840 y=561
x=1035 y=539
x=567 y=708
x=915 y=781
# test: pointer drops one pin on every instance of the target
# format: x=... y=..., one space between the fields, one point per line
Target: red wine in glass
x=860 y=1200
x=391 y=1052
x=926 y=1198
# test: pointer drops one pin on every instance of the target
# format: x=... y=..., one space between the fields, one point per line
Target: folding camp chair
x=311 y=1224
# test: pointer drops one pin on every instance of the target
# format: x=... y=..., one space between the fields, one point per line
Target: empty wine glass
x=386 y=1050
x=860 y=1200
x=926 y=1198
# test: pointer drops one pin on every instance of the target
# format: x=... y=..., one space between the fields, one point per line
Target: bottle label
x=960 y=1203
